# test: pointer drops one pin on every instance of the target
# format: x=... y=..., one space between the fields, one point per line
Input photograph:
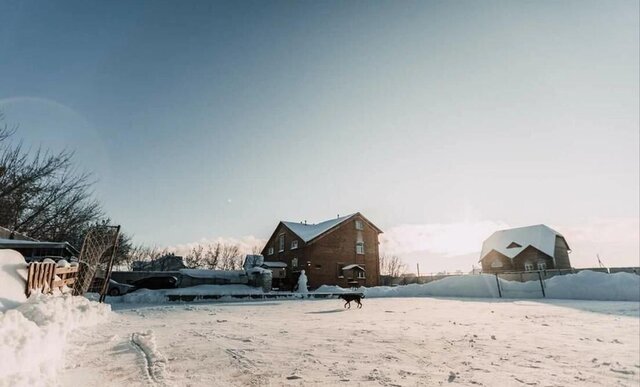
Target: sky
x=440 y=121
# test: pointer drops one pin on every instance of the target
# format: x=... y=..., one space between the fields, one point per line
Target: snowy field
x=389 y=342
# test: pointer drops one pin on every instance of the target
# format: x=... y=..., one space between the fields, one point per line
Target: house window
x=281 y=243
x=294 y=262
x=339 y=267
x=497 y=263
x=528 y=266
x=318 y=266
x=542 y=266
x=294 y=244
x=513 y=245
x=270 y=252
x=360 y=274
x=360 y=248
x=359 y=225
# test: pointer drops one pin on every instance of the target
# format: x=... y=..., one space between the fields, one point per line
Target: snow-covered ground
x=390 y=342
x=401 y=337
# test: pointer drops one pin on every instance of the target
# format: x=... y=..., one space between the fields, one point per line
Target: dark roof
x=22 y=244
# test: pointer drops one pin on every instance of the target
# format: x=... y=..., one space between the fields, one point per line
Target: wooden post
x=498 y=283
x=107 y=277
x=541 y=284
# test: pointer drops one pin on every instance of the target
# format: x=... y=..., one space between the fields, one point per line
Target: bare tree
x=42 y=195
x=392 y=266
x=230 y=257
x=195 y=259
x=214 y=256
x=256 y=249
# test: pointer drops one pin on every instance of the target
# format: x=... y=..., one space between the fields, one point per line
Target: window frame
x=360 y=248
x=361 y=274
x=528 y=266
x=359 y=225
x=281 y=243
x=270 y=251
x=542 y=265
x=294 y=244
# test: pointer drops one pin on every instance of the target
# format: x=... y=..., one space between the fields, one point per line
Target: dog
x=352 y=297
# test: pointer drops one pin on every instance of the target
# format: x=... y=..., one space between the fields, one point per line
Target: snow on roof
x=274 y=264
x=308 y=232
x=539 y=236
x=353 y=266
x=19 y=243
x=202 y=273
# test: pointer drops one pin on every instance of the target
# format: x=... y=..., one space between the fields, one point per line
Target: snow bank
x=159 y=296
x=585 y=285
x=33 y=331
x=33 y=336
x=591 y=285
x=13 y=279
x=202 y=273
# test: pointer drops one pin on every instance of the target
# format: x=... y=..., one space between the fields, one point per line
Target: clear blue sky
x=204 y=119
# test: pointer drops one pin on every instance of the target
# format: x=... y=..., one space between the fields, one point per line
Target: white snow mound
x=585 y=285
x=13 y=279
x=33 y=336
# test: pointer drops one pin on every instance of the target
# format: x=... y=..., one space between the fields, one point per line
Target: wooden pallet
x=41 y=277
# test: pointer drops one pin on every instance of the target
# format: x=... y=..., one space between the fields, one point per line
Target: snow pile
x=33 y=331
x=159 y=296
x=234 y=275
x=586 y=285
x=591 y=285
x=462 y=286
x=13 y=279
x=33 y=336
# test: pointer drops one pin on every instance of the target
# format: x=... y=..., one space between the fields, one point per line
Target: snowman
x=302 y=283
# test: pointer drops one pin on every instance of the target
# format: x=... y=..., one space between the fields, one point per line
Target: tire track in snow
x=155 y=362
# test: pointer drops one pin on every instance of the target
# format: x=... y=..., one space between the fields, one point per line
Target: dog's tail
x=362 y=296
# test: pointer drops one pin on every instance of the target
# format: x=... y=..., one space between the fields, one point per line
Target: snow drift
x=33 y=331
x=33 y=336
x=585 y=285
x=13 y=279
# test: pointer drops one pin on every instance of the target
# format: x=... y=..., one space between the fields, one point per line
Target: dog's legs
x=345 y=304
x=359 y=305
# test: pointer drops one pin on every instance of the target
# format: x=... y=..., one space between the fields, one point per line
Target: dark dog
x=352 y=297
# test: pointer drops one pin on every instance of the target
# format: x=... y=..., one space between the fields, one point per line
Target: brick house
x=341 y=251
x=528 y=248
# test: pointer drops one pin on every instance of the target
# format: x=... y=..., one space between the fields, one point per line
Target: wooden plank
x=39 y=277
x=30 y=271
x=52 y=276
x=62 y=282
x=66 y=270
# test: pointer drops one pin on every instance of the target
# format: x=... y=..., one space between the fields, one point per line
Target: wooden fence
x=42 y=277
